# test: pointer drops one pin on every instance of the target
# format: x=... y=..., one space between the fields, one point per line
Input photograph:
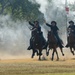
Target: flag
x=67 y=9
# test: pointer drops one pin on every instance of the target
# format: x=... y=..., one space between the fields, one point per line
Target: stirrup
x=67 y=45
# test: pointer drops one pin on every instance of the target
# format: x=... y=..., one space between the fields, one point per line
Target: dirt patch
x=30 y=66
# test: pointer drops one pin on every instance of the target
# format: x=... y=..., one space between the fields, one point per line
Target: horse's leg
x=52 y=55
x=57 y=55
x=40 y=53
x=62 y=51
x=47 y=52
x=37 y=52
x=33 y=53
x=71 y=50
x=39 y=57
x=74 y=49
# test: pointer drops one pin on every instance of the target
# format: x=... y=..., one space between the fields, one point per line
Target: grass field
x=28 y=66
x=34 y=67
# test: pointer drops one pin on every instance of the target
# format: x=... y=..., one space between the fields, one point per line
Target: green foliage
x=20 y=9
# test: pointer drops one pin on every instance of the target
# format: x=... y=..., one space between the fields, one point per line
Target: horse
x=52 y=44
x=36 y=43
x=71 y=40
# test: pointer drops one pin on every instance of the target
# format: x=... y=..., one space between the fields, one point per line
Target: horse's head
x=50 y=33
x=52 y=39
x=34 y=32
x=71 y=36
x=36 y=35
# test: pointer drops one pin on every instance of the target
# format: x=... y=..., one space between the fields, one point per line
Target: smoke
x=14 y=38
x=15 y=35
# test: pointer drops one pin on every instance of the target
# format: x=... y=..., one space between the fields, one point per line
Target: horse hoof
x=52 y=59
x=63 y=54
x=39 y=59
x=57 y=59
x=32 y=56
x=37 y=54
x=73 y=53
x=47 y=53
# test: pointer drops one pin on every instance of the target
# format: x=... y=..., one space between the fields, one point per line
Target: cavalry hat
x=53 y=22
x=71 y=22
x=36 y=21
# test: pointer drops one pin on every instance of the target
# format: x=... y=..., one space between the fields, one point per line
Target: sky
x=71 y=1
x=68 y=1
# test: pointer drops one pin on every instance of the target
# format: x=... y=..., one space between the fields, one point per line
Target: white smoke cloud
x=52 y=8
x=70 y=1
x=43 y=5
x=14 y=38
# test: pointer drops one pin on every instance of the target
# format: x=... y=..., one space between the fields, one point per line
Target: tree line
x=20 y=9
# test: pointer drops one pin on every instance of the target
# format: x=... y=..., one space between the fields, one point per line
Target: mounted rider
x=36 y=26
x=55 y=30
x=72 y=28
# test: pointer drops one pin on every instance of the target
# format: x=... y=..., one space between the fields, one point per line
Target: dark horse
x=36 y=43
x=52 y=44
x=71 y=40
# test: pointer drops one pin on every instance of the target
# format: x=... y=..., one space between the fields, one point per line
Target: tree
x=20 y=9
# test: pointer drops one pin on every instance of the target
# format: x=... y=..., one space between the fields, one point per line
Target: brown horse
x=36 y=43
x=52 y=44
x=71 y=40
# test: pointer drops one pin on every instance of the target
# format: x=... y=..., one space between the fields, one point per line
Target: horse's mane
x=51 y=36
x=71 y=37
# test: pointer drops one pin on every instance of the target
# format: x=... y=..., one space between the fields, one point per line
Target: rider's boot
x=29 y=48
x=67 y=46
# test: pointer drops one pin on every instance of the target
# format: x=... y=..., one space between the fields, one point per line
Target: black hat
x=71 y=22
x=36 y=21
x=53 y=22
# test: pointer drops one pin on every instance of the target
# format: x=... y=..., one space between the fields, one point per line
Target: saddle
x=51 y=32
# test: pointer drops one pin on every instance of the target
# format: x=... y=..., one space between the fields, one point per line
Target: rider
x=55 y=30
x=36 y=26
x=72 y=27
